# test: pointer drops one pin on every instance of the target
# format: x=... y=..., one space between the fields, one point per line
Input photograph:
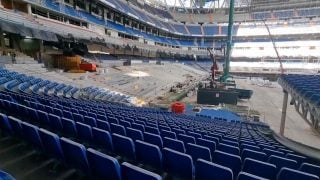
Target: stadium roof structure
x=207 y=4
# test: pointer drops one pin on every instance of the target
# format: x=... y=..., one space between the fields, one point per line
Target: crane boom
x=274 y=47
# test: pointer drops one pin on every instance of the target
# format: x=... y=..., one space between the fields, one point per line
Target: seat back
x=90 y=121
x=169 y=134
x=55 y=122
x=131 y=172
x=103 y=166
x=75 y=154
x=174 y=144
x=281 y=162
x=153 y=139
x=216 y=171
x=134 y=134
x=310 y=168
x=207 y=143
x=118 y=129
x=177 y=163
x=259 y=168
x=225 y=159
x=248 y=176
x=103 y=125
x=247 y=153
x=51 y=143
x=31 y=133
x=228 y=149
x=69 y=127
x=149 y=154
x=197 y=151
x=123 y=145
x=152 y=130
x=4 y=124
x=102 y=138
x=186 y=139
x=15 y=125
x=84 y=131
x=287 y=173
x=43 y=118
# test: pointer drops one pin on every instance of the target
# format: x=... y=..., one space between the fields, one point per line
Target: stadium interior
x=160 y=89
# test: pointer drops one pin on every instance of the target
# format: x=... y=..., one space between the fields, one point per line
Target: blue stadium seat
x=75 y=154
x=178 y=164
x=174 y=144
x=153 y=139
x=259 y=168
x=78 y=117
x=291 y=174
x=216 y=171
x=84 y=131
x=51 y=144
x=102 y=117
x=178 y=131
x=131 y=172
x=207 y=143
x=123 y=145
x=6 y=176
x=15 y=125
x=43 y=117
x=90 y=121
x=281 y=162
x=228 y=149
x=125 y=124
x=310 y=168
x=148 y=154
x=250 y=147
x=270 y=152
x=118 y=129
x=152 y=130
x=169 y=134
x=247 y=153
x=31 y=134
x=103 y=166
x=102 y=139
x=67 y=114
x=103 y=125
x=224 y=159
x=198 y=152
x=33 y=115
x=55 y=122
x=134 y=134
x=193 y=134
x=69 y=127
x=137 y=126
x=247 y=176
x=298 y=158
x=4 y=124
x=57 y=112
x=210 y=138
x=186 y=139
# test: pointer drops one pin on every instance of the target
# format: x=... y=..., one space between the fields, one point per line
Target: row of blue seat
x=152 y=138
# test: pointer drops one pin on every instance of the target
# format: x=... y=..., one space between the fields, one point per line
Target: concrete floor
x=268 y=101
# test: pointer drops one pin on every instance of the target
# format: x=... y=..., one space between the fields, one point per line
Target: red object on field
x=178 y=108
x=88 y=67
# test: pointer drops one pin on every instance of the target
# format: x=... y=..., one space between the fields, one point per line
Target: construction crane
x=274 y=46
x=214 y=67
x=226 y=69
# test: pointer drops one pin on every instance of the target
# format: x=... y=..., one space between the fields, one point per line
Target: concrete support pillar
x=284 y=112
x=29 y=9
x=1 y=4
